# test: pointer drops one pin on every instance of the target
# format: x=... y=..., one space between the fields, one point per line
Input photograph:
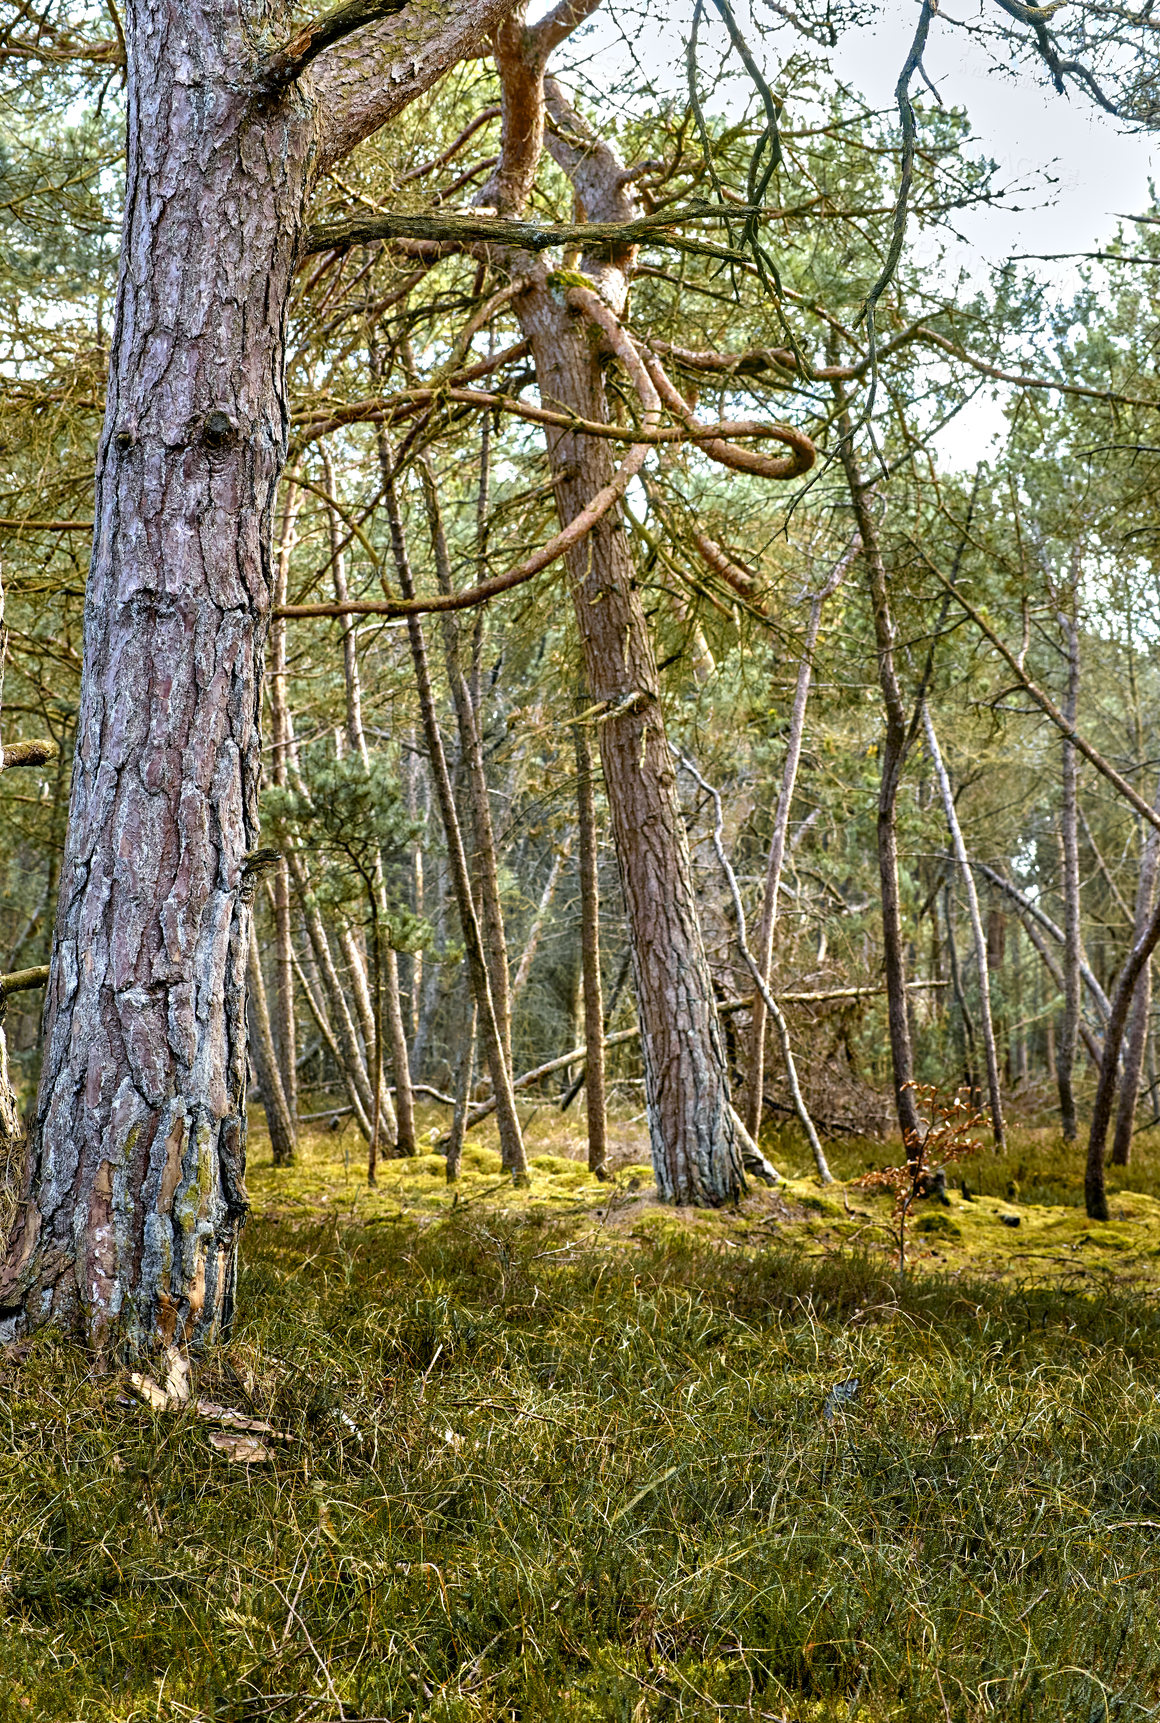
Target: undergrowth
x=546 y=1477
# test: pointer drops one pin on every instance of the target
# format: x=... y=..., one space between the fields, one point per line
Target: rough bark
x=134 y=1194
x=1138 y=1023
x=894 y=750
x=594 y=1084
x=265 y=1062
x=981 y=968
x=1069 y=854
x=696 y=1138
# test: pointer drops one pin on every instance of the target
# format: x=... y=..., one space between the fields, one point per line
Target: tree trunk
x=981 y=966
x=695 y=1145
x=282 y=1020
x=1141 y=1006
x=136 y=1193
x=1069 y=851
x=594 y=1087
x=755 y=1089
x=485 y=862
x=1095 y=1193
x=397 y=1034
x=894 y=749
x=510 y=1135
x=261 y=1045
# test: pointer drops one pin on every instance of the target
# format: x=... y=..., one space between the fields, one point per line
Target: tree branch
x=294 y=56
x=1047 y=705
x=466 y=230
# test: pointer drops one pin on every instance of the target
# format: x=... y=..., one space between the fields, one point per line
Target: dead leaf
x=245 y=1450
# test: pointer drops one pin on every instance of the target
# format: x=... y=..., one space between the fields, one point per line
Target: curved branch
x=555 y=548
x=391 y=408
x=800 y=460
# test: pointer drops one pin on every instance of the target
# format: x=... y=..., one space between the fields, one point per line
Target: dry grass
x=560 y=1457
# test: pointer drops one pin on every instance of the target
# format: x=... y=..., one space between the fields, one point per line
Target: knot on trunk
x=219 y=430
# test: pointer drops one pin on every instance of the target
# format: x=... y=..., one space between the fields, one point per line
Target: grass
x=569 y=1456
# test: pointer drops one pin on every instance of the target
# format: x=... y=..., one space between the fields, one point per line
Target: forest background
x=905 y=711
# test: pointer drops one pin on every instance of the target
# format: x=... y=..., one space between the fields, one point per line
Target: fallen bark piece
x=151 y=1392
x=226 y=1416
x=161 y=1400
x=244 y=1450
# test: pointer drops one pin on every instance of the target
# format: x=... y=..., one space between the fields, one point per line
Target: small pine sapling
x=942 y=1137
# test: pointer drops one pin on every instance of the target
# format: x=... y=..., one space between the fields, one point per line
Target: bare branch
x=469 y=230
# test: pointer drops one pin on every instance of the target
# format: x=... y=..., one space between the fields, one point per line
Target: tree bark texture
x=695 y=1135
x=136 y=1189
x=134 y=1192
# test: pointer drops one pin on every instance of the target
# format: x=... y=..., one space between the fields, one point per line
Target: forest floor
x=564 y=1454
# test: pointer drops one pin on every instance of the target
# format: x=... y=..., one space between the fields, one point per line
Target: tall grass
x=540 y=1479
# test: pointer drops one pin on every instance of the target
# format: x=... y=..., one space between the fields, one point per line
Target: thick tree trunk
x=1069 y=852
x=1138 y=1022
x=696 y=1146
x=136 y=1193
x=894 y=749
x=594 y=1088
x=261 y=1045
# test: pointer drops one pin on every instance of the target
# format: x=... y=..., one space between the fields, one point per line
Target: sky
x=1076 y=166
